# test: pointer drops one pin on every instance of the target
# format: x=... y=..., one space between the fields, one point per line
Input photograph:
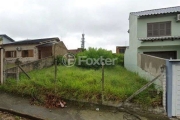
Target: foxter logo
x=69 y=60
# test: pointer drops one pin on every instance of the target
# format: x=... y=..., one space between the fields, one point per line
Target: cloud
x=105 y=22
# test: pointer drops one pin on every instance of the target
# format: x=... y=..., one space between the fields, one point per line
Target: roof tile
x=157 y=11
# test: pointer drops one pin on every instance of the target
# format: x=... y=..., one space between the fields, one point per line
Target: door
x=176 y=89
x=39 y=54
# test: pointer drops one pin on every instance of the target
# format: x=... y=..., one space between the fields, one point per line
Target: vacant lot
x=83 y=84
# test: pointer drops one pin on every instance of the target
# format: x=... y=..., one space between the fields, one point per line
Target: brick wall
x=44 y=52
x=60 y=49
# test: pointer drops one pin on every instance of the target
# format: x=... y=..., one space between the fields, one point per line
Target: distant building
x=121 y=49
x=33 y=49
x=153 y=32
x=4 y=39
x=75 y=51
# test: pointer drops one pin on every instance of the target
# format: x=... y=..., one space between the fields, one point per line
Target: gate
x=173 y=88
x=176 y=88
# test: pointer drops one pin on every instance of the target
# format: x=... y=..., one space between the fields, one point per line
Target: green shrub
x=95 y=54
x=59 y=60
x=120 y=60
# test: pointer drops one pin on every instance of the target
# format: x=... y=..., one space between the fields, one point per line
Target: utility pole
x=83 y=41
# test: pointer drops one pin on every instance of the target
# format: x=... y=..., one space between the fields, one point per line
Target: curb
x=131 y=110
x=20 y=114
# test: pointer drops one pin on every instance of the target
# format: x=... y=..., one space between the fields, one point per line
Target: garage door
x=163 y=54
x=176 y=89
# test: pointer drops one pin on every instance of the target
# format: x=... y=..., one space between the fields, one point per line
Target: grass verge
x=84 y=84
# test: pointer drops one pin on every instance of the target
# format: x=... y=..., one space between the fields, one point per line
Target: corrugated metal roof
x=157 y=11
x=160 y=38
x=33 y=41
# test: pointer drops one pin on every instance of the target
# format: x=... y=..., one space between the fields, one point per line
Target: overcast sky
x=104 y=22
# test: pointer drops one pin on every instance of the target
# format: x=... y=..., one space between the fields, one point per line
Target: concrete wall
x=38 y=64
x=130 y=57
x=148 y=67
x=151 y=64
x=19 y=53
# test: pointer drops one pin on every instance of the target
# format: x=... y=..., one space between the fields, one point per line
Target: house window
x=159 y=29
x=121 y=50
x=10 y=54
x=27 y=53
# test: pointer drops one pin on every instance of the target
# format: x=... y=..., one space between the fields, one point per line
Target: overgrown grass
x=78 y=83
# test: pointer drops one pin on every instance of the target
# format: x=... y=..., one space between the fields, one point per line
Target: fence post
x=1 y=66
x=17 y=73
x=102 y=94
x=4 y=70
x=55 y=76
x=163 y=71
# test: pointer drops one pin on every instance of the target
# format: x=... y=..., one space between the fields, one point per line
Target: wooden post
x=142 y=89
x=102 y=94
x=1 y=66
x=55 y=64
x=24 y=72
x=17 y=73
x=55 y=70
x=4 y=70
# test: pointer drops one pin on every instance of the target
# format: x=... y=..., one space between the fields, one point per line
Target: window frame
x=121 y=50
x=12 y=54
x=156 y=30
x=23 y=54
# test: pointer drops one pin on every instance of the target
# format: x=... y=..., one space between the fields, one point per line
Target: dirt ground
x=7 y=116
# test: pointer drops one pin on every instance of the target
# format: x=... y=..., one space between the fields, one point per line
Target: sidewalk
x=22 y=105
x=73 y=111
